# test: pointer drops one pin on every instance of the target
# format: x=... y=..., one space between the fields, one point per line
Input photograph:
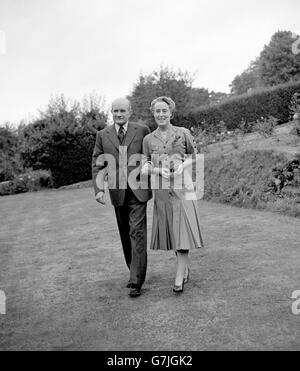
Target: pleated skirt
x=176 y=222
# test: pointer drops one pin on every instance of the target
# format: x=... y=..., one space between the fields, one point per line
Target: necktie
x=121 y=134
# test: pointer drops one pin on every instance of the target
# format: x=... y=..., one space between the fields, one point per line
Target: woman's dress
x=176 y=219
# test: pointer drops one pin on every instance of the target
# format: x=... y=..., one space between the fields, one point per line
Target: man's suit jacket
x=112 y=162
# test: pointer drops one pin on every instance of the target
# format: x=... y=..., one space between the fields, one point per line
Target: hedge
x=273 y=101
x=67 y=154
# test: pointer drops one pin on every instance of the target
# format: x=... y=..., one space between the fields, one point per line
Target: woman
x=176 y=217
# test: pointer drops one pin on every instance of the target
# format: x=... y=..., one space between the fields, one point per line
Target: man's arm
x=99 y=167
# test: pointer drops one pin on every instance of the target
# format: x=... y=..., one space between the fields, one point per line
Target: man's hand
x=100 y=197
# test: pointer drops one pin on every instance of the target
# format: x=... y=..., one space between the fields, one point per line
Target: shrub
x=6 y=188
x=66 y=153
x=27 y=182
x=296 y=128
x=295 y=113
x=249 y=179
x=246 y=108
x=265 y=127
x=62 y=140
x=295 y=104
x=32 y=181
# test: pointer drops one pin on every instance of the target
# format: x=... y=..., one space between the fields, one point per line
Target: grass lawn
x=64 y=276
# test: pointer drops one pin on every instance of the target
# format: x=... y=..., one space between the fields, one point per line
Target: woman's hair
x=167 y=100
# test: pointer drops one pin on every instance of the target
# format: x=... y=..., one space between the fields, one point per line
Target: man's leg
x=122 y=215
x=138 y=237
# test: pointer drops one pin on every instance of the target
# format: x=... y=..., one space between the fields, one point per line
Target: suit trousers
x=132 y=224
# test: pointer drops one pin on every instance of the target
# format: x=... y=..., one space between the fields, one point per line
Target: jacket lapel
x=112 y=136
x=131 y=133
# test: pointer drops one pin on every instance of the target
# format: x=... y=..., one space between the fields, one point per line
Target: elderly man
x=114 y=150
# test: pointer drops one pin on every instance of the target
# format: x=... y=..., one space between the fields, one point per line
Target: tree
x=62 y=139
x=277 y=62
x=217 y=97
x=177 y=85
x=9 y=159
x=93 y=113
x=247 y=80
x=198 y=97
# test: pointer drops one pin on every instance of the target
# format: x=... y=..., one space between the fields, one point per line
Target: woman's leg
x=183 y=262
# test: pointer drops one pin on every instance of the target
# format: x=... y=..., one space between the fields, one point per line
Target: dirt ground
x=64 y=275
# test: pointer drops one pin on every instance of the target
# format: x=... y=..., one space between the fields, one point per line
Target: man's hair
x=124 y=100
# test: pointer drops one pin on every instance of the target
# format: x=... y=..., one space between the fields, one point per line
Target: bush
x=9 y=158
x=246 y=108
x=296 y=128
x=67 y=154
x=62 y=140
x=265 y=127
x=247 y=179
x=70 y=157
x=28 y=182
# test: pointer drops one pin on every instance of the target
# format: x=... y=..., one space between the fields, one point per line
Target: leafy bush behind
x=247 y=108
x=67 y=154
x=63 y=139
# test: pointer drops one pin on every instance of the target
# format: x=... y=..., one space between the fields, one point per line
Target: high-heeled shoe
x=187 y=278
x=178 y=289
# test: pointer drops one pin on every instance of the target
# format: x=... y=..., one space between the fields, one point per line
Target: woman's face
x=162 y=114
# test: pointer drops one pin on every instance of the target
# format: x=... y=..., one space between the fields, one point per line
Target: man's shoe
x=129 y=285
x=135 y=291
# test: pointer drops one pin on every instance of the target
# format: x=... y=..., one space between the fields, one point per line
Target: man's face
x=121 y=112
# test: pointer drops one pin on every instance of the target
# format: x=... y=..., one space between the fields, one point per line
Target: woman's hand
x=147 y=168
x=164 y=172
x=179 y=170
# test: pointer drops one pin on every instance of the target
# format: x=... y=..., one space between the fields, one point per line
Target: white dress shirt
x=125 y=127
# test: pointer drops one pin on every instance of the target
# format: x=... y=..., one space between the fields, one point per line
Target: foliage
x=175 y=84
x=295 y=113
x=277 y=62
x=62 y=140
x=246 y=81
x=243 y=179
x=265 y=126
x=245 y=109
x=27 y=182
x=295 y=104
x=9 y=159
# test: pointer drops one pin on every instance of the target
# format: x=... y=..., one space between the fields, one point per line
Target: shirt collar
x=125 y=127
